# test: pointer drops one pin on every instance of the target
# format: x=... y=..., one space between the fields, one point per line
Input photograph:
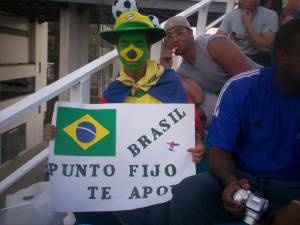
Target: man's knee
x=195 y=199
x=198 y=185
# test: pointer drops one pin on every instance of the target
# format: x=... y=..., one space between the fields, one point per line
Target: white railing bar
x=16 y=175
x=218 y=20
x=10 y=113
x=212 y=24
x=193 y=9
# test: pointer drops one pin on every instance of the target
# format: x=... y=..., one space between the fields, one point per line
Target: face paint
x=133 y=50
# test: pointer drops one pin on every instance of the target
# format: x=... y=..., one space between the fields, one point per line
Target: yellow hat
x=133 y=21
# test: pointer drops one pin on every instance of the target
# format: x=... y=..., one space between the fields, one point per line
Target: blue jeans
x=197 y=199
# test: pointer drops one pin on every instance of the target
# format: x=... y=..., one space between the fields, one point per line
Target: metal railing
x=75 y=80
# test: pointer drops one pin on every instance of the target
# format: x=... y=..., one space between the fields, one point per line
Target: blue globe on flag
x=86 y=132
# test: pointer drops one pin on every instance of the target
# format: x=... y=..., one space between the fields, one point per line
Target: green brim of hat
x=154 y=34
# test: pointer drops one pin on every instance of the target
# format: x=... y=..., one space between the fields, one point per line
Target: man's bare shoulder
x=227 y=55
x=220 y=44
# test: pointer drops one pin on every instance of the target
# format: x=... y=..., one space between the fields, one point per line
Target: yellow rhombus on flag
x=85 y=132
x=98 y=134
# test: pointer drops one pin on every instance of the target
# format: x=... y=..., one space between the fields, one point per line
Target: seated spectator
x=207 y=62
x=255 y=144
x=253 y=29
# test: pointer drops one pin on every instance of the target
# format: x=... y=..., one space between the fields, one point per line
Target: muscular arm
x=224 y=132
x=226 y=54
x=262 y=42
x=194 y=91
x=221 y=165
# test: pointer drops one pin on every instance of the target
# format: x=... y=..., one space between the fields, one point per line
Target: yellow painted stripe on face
x=125 y=51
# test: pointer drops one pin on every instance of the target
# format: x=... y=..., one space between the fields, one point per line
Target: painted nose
x=131 y=54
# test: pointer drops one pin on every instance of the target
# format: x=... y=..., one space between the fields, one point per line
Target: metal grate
x=13 y=142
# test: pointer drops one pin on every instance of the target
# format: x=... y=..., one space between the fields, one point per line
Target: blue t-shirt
x=259 y=125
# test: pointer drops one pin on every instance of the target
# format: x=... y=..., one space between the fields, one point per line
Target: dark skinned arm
x=263 y=41
x=194 y=91
x=222 y=166
x=228 y=56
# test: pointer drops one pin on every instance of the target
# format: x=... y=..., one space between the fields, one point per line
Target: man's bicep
x=227 y=55
x=225 y=126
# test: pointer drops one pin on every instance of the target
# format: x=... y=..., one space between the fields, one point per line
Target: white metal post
x=41 y=59
x=155 y=51
x=202 y=18
x=81 y=92
x=230 y=5
x=74 y=30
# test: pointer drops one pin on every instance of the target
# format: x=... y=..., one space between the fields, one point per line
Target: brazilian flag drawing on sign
x=85 y=132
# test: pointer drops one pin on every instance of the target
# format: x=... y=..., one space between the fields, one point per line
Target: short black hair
x=276 y=5
x=288 y=36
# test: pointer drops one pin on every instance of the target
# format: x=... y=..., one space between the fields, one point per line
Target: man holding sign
x=141 y=81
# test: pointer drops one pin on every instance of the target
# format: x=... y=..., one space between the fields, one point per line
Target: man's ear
x=280 y=57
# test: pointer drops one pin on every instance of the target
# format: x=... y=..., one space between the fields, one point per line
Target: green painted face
x=133 y=50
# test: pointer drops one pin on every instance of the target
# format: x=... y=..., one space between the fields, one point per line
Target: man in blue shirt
x=255 y=144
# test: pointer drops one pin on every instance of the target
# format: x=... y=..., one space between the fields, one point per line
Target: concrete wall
x=23 y=53
x=14 y=48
